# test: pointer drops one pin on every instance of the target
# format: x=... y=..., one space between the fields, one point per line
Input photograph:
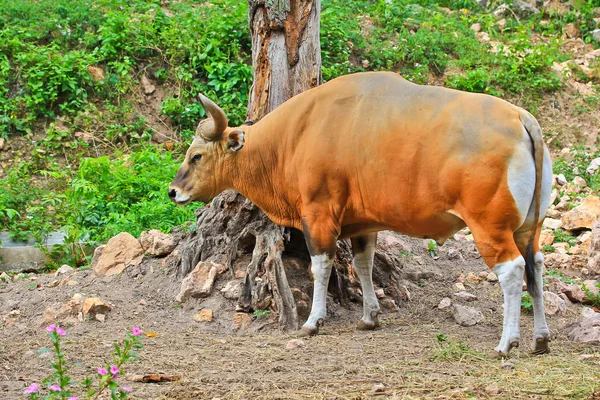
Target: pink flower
x=72 y=398
x=135 y=331
x=114 y=370
x=33 y=388
x=50 y=328
x=126 y=389
x=102 y=371
x=55 y=388
x=60 y=331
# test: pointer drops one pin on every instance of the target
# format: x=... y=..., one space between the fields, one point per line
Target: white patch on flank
x=321 y=269
x=510 y=275
x=363 y=265
x=455 y=213
x=546 y=183
x=521 y=179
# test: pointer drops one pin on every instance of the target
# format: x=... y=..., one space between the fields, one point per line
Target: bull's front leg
x=321 y=237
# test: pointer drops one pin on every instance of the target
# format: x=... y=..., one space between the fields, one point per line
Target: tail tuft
x=530 y=269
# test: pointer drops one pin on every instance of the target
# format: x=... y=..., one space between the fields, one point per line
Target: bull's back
x=395 y=155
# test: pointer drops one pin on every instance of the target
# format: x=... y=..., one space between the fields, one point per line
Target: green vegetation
x=82 y=158
x=526 y=303
x=450 y=349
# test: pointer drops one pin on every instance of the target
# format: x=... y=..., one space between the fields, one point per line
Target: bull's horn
x=213 y=127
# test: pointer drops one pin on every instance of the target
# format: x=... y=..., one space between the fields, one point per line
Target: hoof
x=499 y=353
x=540 y=346
x=367 y=326
x=307 y=331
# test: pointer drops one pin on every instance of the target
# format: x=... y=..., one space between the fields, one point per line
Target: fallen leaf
x=150 y=334
x=152 y=378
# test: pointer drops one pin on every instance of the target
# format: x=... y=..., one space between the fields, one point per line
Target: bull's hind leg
x=497 y=247
x=541 y=333
x=363 y=248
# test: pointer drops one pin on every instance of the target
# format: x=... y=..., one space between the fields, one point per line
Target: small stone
x=579 y=181
x=119 y=253
x=199 y=282
x=2 y=143
x=388 y=304
x=142 y=302
x=476 y=27
x=493 y=389
x=295 y=344
x=553 y=304
x=96 y=72
x=72 y=282
x=572 y=31
x=147 y=86
x=459 y=287
x=586 y=331
x=4 y=277
x=593 y=265
x=378 y=388
x=492 y=277
x=466 y=316
x=49 y=316
x=465 y=296
x=156 y=243
x=594 y=165
x=100 y=317
x=445 y=303
x=551 y=223
x=78 y=297
x=592 y=286
x=232 y=290
x=587 y=312
x=561 y=248
x=365 y=64
x=379 y=293
x=556 y=260
x=507 y=365
x=206 y=315
x=574 y=292
x=561 y=180
x=241 y=321
x=546 y=237
x=472 y=278
x=64 y=270
x=582 y=216
x=93 y=306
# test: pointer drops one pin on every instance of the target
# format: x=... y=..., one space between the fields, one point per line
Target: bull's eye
x=196 y=157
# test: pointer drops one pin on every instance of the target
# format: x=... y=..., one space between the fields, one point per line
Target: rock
x=592 y=286
x=492 y=277
x=97 y=73
x=206 y=315
x=596 y=34
x=199 y=282
x=156 y=243
x=556 y=260
x=295 y=344
x=465 y=296
x=577 y=250
x=378 y=388
x=232 y=290
x=466 y=316
x=241 y=321
x=49 y=316
x=493 y=389
x=172 y=261
x=546 y=237
x=594 y=165
x=100 y=317
x=587 y=312
x=379 y=293
x=147 y=86
x=594 y=250
x=387 y=304
x=571 y=30
x=476 y=27
x=64 y=270
x=458 y=286
x=472 y=278
x=93 y=306
x=2 y=143
x=563 y=204
x=507 y=365
x=4 y=277
x=523 y=9
x=586 y=331
x=551 y=223
x=78 y=297
x=119 y=253
x=501 y=11
x=574 y=292
x=392 y=243
x=561 y=180
x=561 y=248
x=445 y=304
x=501 y=23
x=579 y=181
x=553 y=304
x=582 y=216
x=365 y=64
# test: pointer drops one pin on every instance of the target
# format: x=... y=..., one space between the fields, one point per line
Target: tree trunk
x=286 y=57
x=286 y=51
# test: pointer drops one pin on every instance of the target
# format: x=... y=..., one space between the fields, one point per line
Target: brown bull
x=372 y=151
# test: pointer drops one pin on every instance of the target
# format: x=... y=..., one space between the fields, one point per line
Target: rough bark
x=286 y=52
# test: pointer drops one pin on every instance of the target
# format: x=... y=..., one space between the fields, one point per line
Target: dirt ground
x=214 y=361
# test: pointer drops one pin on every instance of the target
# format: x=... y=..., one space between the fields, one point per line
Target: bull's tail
x=535 y=134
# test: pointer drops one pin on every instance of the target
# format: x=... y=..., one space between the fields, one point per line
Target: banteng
x=372 y=151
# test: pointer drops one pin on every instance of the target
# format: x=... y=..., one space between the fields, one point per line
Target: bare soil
x=216 y=361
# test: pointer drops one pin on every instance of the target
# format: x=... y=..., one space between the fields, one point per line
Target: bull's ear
x=235 y=140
